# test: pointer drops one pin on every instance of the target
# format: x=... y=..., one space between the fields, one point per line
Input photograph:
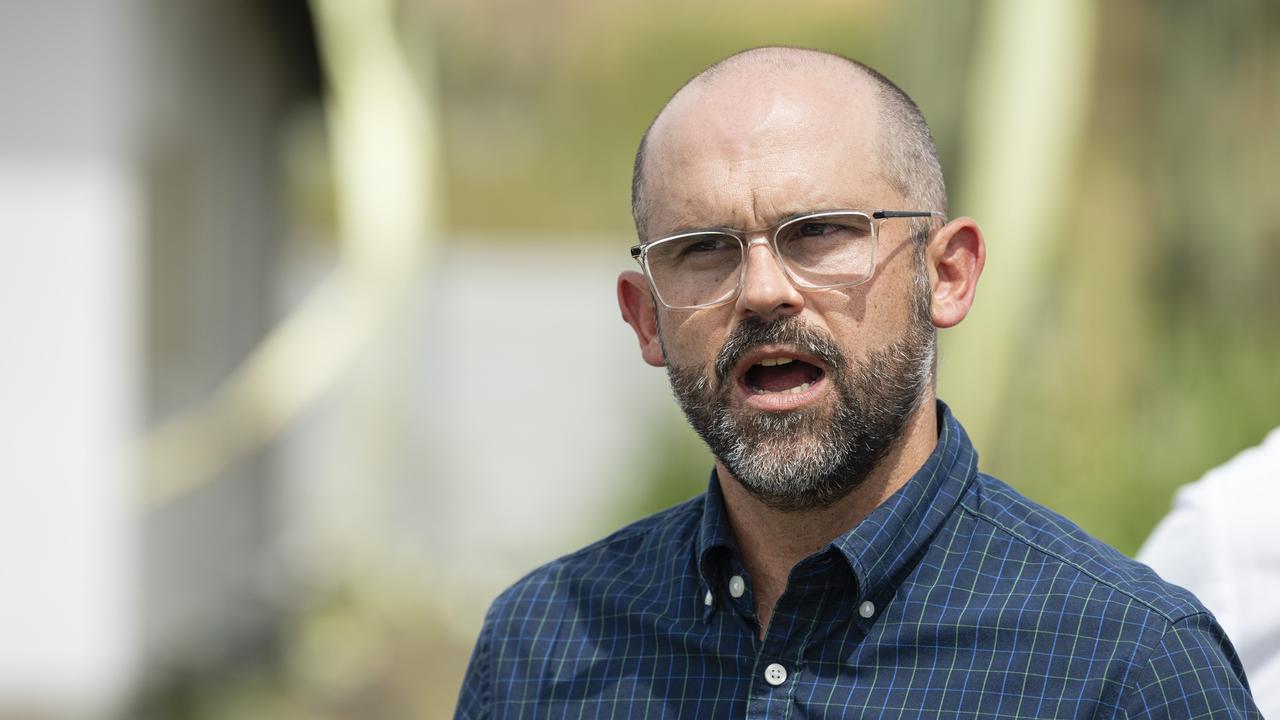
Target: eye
x=704 y=245
x=818 y=229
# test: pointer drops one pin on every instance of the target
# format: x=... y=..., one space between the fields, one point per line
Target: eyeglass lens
x=821 y=251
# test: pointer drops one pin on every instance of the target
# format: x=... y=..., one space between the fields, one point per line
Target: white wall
x=69 y=239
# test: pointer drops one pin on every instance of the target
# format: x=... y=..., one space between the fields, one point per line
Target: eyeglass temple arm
x=886 y=214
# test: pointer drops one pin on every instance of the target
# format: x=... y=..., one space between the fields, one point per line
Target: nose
x=767 y=292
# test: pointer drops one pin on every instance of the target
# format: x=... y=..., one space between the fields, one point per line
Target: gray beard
x=810 y=458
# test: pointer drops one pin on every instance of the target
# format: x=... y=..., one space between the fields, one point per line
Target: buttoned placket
x=811 y=602
x=836 y=599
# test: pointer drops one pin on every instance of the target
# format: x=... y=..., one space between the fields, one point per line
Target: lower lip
x=782 y=401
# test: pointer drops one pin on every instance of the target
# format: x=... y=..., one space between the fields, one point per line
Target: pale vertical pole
x=383 y=136
x=1029 y=95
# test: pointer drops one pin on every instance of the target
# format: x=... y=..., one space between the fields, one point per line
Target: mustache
x=788 y=330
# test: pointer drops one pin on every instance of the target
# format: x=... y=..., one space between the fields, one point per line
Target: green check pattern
x=957 y=597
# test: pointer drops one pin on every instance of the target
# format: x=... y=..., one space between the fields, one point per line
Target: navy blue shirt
x=957 y=597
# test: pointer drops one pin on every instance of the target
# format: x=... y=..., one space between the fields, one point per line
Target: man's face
x=798 y=393
x=814 y=454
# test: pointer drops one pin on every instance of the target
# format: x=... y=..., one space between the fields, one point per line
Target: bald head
x=822 y=89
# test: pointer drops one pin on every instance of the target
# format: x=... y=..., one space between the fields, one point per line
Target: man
x=1221 y=542
x=847 y=559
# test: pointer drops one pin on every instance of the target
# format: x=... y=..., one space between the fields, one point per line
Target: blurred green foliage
x=543 y=104
x=375 y=648
x=1158 y=336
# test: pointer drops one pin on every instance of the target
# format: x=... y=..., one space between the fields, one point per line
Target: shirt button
x=708 y=599
x=775 y=674
x=737 y=586
x=867 y=609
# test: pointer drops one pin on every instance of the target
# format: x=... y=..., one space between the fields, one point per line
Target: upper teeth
x=775 y=361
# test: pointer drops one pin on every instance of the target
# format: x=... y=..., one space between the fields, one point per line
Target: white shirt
x=1221 y=541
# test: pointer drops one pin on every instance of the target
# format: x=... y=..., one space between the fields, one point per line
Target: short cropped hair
x=907 y=153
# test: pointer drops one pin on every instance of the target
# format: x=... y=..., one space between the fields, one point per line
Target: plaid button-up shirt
x=957 y=597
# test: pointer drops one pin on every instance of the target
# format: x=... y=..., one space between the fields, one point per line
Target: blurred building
x=140 y=183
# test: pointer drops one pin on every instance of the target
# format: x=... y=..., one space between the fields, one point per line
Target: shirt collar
x=715 y=537
x=883 y=544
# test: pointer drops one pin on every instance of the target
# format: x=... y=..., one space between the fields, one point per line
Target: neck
x=773 y=541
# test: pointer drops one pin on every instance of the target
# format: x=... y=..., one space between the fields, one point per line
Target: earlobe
x=637 y=305
x=956 y=255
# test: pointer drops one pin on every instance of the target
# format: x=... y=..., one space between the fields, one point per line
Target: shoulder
x=1157 y=634
x=1242 y=486
x=548 y=616
x=638 y=556
x=1246 y=485
x=1220 y=530
x=1190 y=672
x=1094 y=569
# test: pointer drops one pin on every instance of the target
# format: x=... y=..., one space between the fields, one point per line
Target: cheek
x=846 y=314
x=865 y=317
x=898 y=300
x=692 y=339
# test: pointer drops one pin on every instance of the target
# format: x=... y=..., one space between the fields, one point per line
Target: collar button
x=737 y=586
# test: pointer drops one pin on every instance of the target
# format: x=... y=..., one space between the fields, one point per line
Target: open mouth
x=781 y=375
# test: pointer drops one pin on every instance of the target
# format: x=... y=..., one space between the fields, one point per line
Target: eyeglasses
x=818 y=251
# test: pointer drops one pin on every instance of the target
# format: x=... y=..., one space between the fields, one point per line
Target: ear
x=955 y=255
x=637 y=304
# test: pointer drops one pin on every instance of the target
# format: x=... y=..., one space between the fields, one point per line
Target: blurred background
x=311 y=347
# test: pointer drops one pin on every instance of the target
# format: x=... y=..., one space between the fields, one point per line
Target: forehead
x=751 y=148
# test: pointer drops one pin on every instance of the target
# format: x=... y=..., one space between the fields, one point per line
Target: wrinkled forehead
x=745 y=149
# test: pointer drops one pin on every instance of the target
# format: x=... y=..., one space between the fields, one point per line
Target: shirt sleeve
x=1193 y=672
x=475 y=700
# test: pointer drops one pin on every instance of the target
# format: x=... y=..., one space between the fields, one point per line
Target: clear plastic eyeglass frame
x=769 y=236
